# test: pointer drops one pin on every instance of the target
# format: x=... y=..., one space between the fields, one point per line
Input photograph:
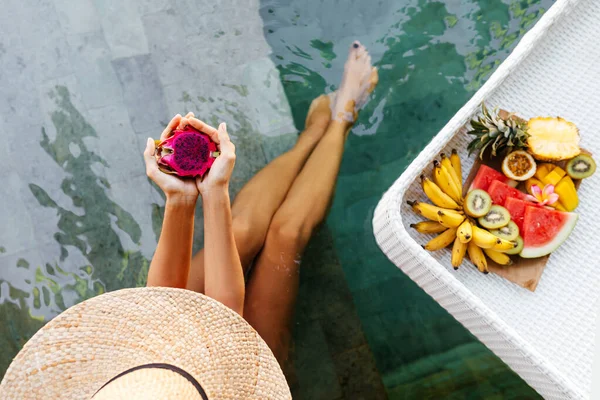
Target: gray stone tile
x=91 y=60
x=142 y=92
x=17 y=73
x=116 y=143
x=152 y=6
x=191 y=14
x=141 y=139
x=78 y=16
x=170 y=52
x=179 y=100
x=18 y=229
x=122 y=27
x=18 y=100
x=43 y=39
x=269 y=109
x=134 y=196
x=49 y=101
x=39 y=170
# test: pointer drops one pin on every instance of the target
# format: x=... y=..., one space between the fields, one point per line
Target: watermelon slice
x=516 y=208
x=500 y=191
x=485 y=176
x=544 y=230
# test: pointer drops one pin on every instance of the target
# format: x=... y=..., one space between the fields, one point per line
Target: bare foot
x=319 y=112
x=360 y=78
x=317 y=120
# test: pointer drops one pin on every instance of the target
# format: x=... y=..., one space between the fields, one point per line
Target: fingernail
x=150 y=140
x=223 y=126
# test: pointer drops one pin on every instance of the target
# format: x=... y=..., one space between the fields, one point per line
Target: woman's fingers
x=227 y=148
x=183 y=123
x=150 y=160
x=179 y=122
x=170 y=127
x=205 y=128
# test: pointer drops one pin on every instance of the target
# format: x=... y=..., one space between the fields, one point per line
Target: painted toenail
x=355 y=45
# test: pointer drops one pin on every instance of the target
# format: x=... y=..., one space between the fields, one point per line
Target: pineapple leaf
x=482 y=150
x=477 y=126
x=502 y=134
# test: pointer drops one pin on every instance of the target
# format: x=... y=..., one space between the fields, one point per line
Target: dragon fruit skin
x=188 y=152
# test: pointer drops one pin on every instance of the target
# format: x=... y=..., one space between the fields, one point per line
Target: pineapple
x=500 y=132
x=552 y=139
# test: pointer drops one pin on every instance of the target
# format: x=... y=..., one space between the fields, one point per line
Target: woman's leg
x=257 y=202
x=273 y=285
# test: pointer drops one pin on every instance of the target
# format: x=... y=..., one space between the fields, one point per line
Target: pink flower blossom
x=544 y=196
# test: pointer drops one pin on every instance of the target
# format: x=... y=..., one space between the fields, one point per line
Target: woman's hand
x=177 y=190
x=219 y=175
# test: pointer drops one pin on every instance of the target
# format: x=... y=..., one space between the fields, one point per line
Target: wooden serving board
x=525 y=272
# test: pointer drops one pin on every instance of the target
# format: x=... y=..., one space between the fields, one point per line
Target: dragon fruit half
x=188 y=152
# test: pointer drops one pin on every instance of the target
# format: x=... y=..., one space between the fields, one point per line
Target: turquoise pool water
x=93 y=82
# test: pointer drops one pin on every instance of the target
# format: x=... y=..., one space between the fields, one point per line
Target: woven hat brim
x=88 y=344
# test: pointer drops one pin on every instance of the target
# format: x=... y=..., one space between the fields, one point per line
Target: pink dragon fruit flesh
x=187 y=152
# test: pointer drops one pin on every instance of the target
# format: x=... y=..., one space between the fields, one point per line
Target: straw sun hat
x=146 y=343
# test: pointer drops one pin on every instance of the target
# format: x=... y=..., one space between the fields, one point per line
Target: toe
x=368 y=61
x=357 y=50
x=361 y=52
x=374 y=79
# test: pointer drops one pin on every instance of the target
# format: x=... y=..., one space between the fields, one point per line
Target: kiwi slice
x=517 y=249
x=477 y=203
x=496 y=218
x=508 y=232
x=580 y=167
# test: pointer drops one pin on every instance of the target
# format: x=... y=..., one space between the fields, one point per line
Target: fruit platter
x=518 y=204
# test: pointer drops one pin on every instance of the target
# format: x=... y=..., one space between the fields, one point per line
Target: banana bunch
x=446 y=218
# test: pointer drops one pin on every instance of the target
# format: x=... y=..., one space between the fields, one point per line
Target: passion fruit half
x=519 y=165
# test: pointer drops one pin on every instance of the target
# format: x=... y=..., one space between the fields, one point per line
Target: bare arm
x=171 y=262
x=224 y=277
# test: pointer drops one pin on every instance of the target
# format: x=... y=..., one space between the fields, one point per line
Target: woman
x=272 y=218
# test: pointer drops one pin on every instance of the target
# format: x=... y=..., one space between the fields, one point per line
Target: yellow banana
x=437 y=195
x=428 y=227
x=450 y=219
x=447 y=164
x=443 y=179
x=427 y=210
x=497 y=257
x=477 y=257
x=455 y=160
x=483 y=238
x=465 y=231
x=458 y=252
x=441 y=241
x=503 y=245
